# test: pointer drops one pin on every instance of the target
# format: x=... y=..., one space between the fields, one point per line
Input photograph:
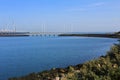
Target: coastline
x=14 y=34
x=91 y=68
x=113 y=35
x=105 y=35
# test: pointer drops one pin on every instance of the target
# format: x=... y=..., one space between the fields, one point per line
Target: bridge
x=43 y=34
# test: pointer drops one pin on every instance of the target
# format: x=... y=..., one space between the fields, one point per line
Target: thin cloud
x=97 y=4
x=87 y=7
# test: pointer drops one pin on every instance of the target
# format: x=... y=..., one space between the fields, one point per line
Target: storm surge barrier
x=45 y=34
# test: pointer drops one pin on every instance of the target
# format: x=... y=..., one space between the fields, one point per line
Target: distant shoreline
x=102 y=35
x=13 y=34
x=93 y=35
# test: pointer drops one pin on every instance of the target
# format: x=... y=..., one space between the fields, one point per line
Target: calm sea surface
x=23 y=55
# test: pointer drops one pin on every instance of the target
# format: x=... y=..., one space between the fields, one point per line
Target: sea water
x=23 y=55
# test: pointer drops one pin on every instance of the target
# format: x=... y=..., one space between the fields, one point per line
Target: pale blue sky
x=61 y=15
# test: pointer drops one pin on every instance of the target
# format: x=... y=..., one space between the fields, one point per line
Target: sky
x=60 y=15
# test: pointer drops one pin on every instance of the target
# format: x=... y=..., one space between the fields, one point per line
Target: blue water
x=23 y=55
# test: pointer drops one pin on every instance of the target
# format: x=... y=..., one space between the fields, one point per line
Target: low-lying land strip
x=107 y=35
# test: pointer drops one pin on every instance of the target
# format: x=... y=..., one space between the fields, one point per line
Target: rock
x=62 y=70
x=57 y=78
